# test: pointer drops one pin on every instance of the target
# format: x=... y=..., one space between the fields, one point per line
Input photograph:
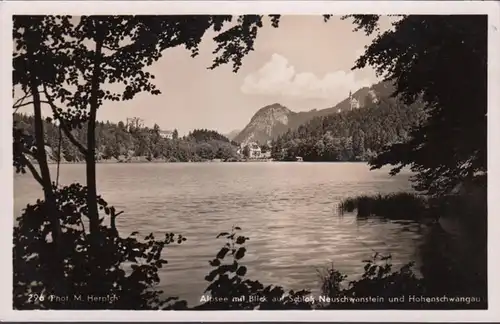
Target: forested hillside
x=115 y=142
x=356 y=135
x=274 y=120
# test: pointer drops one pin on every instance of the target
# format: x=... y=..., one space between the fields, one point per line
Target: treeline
x=356 y=135
x=123 y=143
x=205 y=135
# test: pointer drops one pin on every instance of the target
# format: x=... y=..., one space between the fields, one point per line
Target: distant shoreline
x=144 y=160
x=198 y=162
x=159 y=161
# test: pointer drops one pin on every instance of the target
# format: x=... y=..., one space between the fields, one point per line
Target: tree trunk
x=50 y=202
x=41 y=156
x=90 y=158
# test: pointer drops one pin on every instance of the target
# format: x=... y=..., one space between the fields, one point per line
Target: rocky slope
x=268 y=122
x=274 y=120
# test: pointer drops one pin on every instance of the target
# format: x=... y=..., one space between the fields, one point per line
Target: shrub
x=230 y=290
x=120 y=272
x=228 y=284
x=376 y=289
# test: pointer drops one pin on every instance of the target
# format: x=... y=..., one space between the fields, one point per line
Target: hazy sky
x=304 y=64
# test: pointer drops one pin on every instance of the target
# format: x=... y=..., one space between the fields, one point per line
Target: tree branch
x=33 y=170
x=83 y=226
x=63 y=124
x=28 y=152
x=109 y=48
x=113 y=216
x=16 y=107
x=20 y=100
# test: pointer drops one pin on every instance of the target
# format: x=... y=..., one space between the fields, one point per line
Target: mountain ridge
x=275 y=119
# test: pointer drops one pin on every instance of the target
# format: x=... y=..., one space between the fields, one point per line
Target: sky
x=304 y=64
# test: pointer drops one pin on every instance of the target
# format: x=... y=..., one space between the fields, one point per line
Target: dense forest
x=122 y=143
x=356 y=135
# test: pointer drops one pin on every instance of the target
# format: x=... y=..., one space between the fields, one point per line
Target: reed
x=402 y=205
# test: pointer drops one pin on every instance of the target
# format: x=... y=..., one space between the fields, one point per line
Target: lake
x=289 y=211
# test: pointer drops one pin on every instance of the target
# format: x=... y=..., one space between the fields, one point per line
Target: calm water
x=287 y=209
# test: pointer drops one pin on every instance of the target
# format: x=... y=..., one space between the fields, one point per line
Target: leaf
x=240 y=253
x=241 y=271
x=215 y=262
x=240 y=240
x=222 y=253
x=222 y=234
x=211 y=276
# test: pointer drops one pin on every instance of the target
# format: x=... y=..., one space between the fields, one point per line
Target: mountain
x=271 y=121
x=232 y=134
x=267 y=123
x=354 y=135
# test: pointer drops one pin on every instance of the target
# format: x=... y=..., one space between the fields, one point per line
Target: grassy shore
x=403 y=205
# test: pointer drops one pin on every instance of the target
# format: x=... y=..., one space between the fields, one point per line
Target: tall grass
x=401 y=205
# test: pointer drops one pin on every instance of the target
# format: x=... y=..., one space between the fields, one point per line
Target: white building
x=255 y=151
x=353 y=101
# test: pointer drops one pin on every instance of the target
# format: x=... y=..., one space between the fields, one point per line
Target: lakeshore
x=144 y=160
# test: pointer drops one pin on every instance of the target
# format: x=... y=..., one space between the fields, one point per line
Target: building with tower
x=354 y=103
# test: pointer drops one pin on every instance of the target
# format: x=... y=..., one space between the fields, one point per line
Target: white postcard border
x=492 y=8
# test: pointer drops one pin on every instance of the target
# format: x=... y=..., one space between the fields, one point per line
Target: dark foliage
x=454 y=266
x=23 y=146
x=228 y=283
x=125 y=269
x=124 y=46
x=379 y=287
x=424 y=56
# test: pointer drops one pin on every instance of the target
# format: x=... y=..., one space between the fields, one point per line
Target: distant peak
x=274 y=105
x=274 y=108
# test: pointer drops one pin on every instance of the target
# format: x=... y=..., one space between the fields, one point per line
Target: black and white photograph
x=268 y=162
